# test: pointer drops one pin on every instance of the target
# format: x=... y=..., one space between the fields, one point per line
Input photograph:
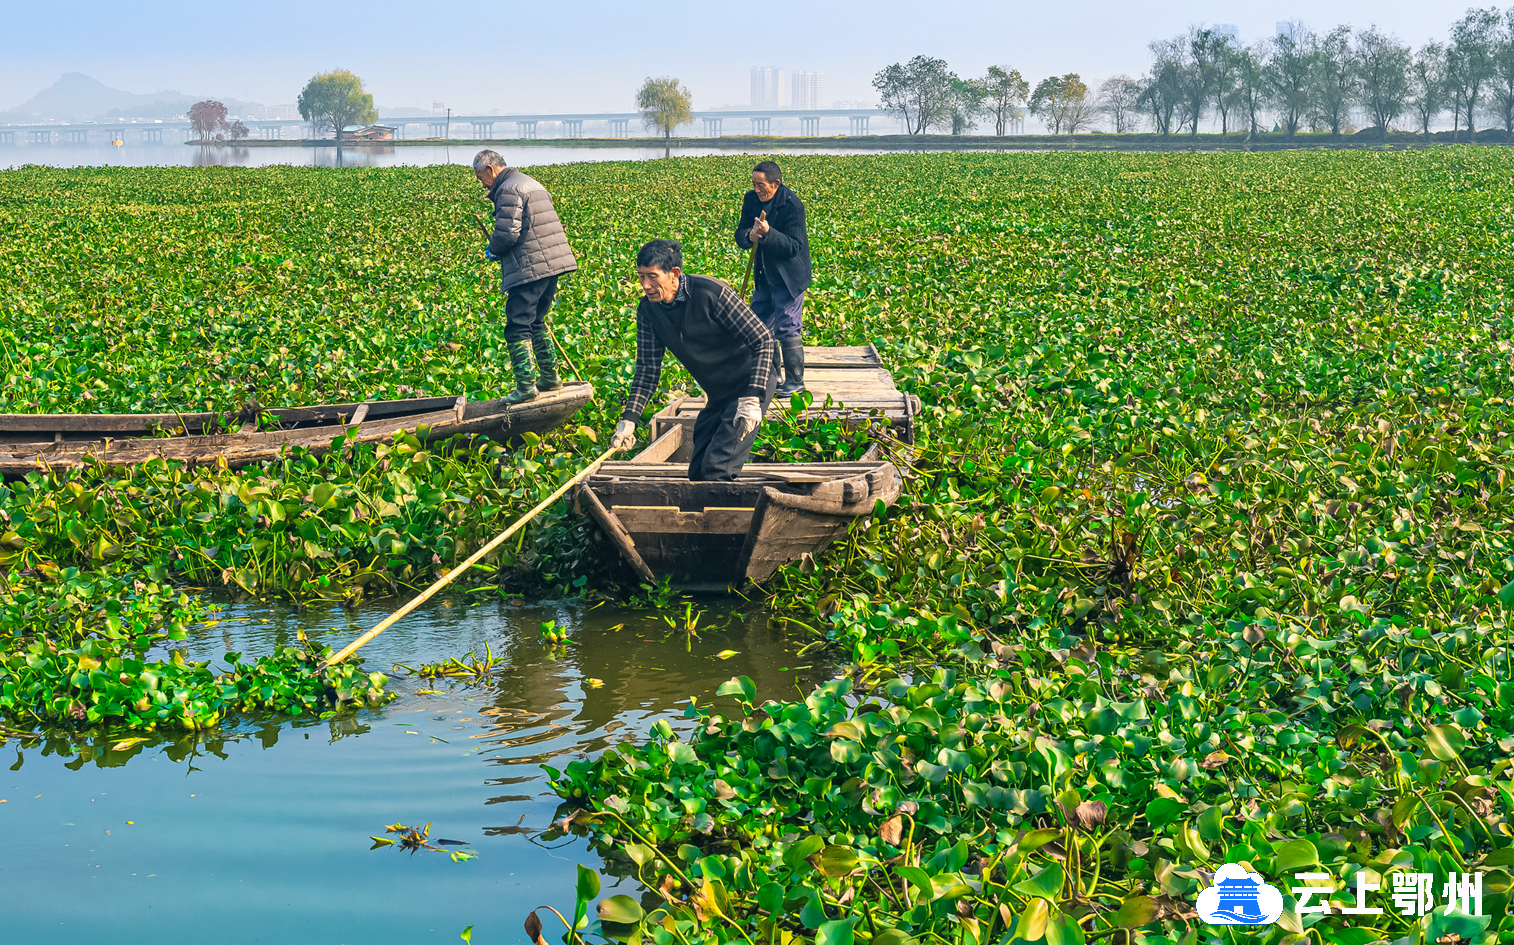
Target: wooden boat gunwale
x=492 y=418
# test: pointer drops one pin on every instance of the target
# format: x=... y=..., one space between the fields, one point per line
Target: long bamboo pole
x=473 y=559
x=751 y=260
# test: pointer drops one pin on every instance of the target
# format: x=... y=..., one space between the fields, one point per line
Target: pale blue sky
x=583 y=55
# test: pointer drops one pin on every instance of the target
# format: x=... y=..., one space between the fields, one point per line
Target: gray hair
x=487 y=158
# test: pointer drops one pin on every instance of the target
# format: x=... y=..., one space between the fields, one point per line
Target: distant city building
x=809 y=89
x=857 y=104
x=1227 y=29
x=769 y=87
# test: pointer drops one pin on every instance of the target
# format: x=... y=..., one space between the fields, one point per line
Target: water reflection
x=277 y=812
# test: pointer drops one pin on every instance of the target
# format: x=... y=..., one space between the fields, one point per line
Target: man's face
x=659 y=285
x=765 y=191
x=486 y=176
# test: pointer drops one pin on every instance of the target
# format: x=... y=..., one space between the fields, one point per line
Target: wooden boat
x=30 y=442
x=852 y=380
x=719 y=535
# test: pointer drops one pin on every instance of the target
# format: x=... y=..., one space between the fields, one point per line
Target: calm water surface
x=145 y=155
x=259 y=832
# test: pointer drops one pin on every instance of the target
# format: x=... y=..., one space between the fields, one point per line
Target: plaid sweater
x=713 y=333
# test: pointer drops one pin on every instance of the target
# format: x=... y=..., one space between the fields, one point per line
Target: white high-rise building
x=809 y=89
x=1228 y=30
x=769 y=87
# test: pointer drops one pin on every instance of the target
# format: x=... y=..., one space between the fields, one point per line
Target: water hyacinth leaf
x=741 y=687
x=836 y=932
x=837 y=861
x=1136 y=912
x=893 y=937
x=1032 y=922
x=1035 y=839
x=770 y=898
x=621 y=910
x=533 y=929
x=801 y=851
x=1046 y=883
x=1162 y=811
x=1062 y=930
x=1444 y=742
x=1293 y=855
x=812 y=916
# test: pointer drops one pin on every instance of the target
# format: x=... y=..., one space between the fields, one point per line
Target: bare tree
x=1251 y=82
x=1382 y=68
x=1502 y=88
x=1063 y=103
x=1470 y=62
x=207 y=117
x=1289 y=74
x=1119 y=100
x=1007 y=90
x=919 y=91
x=1334 y=79
x=1427 y=85
x=1224 y=52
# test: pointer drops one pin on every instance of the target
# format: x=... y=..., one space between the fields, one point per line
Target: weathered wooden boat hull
x=81 y=440
x=720 y=535
x=849 y=384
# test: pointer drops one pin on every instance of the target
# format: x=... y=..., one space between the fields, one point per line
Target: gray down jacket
x=528 y=238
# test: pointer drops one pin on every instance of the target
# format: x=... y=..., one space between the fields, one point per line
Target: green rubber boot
x=546 y=362
x=525 y=375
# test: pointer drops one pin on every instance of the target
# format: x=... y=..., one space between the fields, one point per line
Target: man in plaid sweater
x=717 y=338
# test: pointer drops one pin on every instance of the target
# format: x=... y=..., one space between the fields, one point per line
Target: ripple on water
x=259 y=831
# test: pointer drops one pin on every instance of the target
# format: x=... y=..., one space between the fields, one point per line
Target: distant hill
x=78 y=97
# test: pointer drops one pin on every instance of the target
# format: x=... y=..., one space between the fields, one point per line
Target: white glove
x=748 y=416
x=625 y=435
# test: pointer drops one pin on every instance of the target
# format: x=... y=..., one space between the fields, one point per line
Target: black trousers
x=719 y=453
x=526 y=308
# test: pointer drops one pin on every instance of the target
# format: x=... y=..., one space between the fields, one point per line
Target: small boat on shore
x=715 y=536
x=33 y=442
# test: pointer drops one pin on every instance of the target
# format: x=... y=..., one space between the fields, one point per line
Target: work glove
x=625 y=435
x=489 y=255
x=748 y=416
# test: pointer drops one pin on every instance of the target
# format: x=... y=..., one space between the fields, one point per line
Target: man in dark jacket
x=719 y=340
x=532 y=250
x=781 y=265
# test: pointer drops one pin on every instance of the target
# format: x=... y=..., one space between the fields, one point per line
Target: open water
x=260 y=832
x=181 y=155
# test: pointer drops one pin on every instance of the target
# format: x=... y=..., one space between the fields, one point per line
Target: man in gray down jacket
x=532 y=250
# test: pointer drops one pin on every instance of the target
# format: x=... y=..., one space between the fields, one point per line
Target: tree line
x=1301 y=78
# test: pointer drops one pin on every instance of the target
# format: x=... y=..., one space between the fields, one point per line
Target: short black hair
x=666 y=255
x=769 y=169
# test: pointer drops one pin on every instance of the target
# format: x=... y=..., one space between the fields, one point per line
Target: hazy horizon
x=591 y=56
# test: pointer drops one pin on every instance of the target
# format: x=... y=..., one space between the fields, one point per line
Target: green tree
x=967 y=106
x=335 y=100
x=1503 y=72
x=664 y=105
x=1006 y=91
x=920 y=92
x=1062 y=102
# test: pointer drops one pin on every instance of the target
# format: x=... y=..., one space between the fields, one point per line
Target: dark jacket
x=784 y=253
x=528 y=238
x=710 y=330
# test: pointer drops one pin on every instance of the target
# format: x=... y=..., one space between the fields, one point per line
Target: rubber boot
x=793 y=367
x=525 y=375
x=546 y=362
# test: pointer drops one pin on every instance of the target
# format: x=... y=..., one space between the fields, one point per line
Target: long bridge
x=566 y=125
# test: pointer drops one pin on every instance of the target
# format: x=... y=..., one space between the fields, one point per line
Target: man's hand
x=760 y=228
x=748 y=416
x=625 y=435
x=489 y=255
